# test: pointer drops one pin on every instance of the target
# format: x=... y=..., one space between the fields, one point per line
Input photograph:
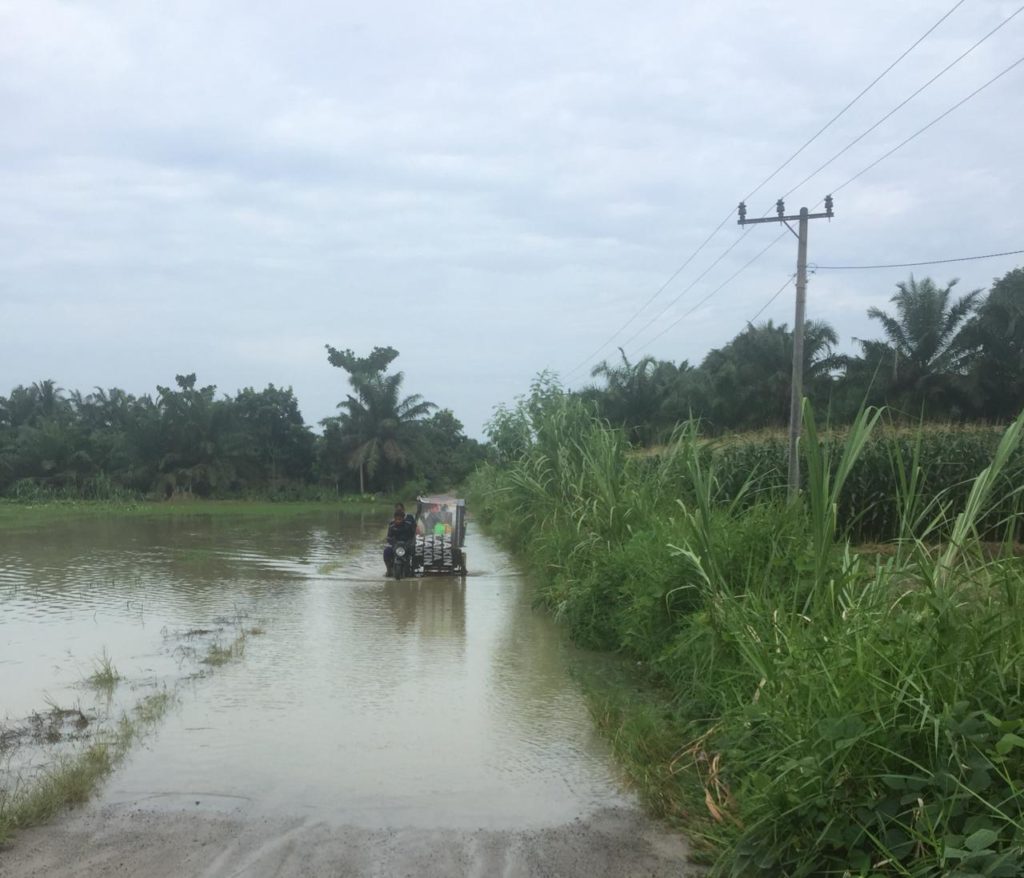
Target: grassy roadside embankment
x=807 y=708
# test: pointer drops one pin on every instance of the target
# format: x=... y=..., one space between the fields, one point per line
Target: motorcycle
x=403 y=563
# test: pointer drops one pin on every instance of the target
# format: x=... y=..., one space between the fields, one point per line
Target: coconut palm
x=377 y=422
x=927 y=340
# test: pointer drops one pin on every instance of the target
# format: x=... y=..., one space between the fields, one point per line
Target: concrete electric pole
x=797 y=390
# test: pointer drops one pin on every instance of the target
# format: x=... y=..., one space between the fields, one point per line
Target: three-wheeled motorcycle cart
x=440 y=535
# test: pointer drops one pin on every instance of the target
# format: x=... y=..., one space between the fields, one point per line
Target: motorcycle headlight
x=400 y=551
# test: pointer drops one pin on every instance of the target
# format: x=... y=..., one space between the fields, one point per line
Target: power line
x=938 y=118
x=717 y=289
x=686 y=289
x=657 y=293
x=904 y=102
x=775 y=295
x=880 y=158
x=866 y=89
x=915 y=264
x=755 y=190
x=860 y=173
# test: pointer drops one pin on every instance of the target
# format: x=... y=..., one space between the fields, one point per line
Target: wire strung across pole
x=775 y=295
x=756 y=189
x=721 y=286
x=904 y=102
x=938 y=118
x=915 y=264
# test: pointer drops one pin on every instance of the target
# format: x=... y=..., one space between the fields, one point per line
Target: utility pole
x=797 y=387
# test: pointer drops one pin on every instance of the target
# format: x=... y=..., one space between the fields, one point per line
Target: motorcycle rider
x=401 y=529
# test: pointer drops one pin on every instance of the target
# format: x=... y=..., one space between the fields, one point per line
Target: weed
x=72 y=779
x=104 y=675
x=219 y=654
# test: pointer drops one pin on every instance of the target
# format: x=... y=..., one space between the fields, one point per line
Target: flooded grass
x=219 y=654
x=71 y=779
x=104 y=675
x=58 y=757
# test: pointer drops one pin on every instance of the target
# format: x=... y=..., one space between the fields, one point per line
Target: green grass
x=220 y=654
x=15 y=514
x=104 y=675
x=73 y=779
x=811 y=709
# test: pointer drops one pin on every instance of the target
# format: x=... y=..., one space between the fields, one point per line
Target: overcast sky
x=492 y=188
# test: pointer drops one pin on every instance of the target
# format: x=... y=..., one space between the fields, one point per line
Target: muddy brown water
x=365 y=702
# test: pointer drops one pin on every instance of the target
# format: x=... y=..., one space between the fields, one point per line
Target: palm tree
x=377 y=424
x=927 y=339
x=998 y=373
x=635 y=394
x=748 y=381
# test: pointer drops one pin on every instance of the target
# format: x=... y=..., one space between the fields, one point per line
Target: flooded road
x=427 y=709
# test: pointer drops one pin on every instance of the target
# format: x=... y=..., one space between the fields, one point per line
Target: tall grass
x=834 y=712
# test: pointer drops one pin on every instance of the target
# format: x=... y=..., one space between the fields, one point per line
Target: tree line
x=185 y=440
x=941 y=357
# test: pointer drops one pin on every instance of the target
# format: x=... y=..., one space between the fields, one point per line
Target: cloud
x=212 y=191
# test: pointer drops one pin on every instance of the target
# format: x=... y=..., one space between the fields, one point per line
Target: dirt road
x=128 y=840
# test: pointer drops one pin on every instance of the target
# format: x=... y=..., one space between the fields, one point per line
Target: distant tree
x=927 y=349
x=998 y=332
x=746 y=383
x=195 y=458
x=635 y=395
x=377 y=424
x=275 y=442
x=445 y=455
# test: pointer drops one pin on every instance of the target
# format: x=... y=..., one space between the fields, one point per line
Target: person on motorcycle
x=401 y=529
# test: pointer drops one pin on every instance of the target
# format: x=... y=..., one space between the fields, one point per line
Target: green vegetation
x=104 y=675
x=184 y=442
x=940 y=358
x=88 y=749
x=72 y=779
x=15 y=514
x=813 y=708
x=219 y=654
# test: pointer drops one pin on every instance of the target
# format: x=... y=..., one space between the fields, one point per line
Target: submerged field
x=811 y=705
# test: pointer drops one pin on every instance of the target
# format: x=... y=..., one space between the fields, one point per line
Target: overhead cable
x=866 y=89
x=721 y=286
x=775 y=295
x=938 y=118
x=915 y=264
x=757 y=188
x=904 y=102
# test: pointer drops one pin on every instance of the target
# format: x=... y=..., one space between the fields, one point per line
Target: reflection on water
x=424 y=702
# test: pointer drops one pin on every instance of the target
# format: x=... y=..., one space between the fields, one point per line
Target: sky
x=491 y=188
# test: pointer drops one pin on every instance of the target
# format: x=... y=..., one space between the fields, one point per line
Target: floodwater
x=364 y=701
